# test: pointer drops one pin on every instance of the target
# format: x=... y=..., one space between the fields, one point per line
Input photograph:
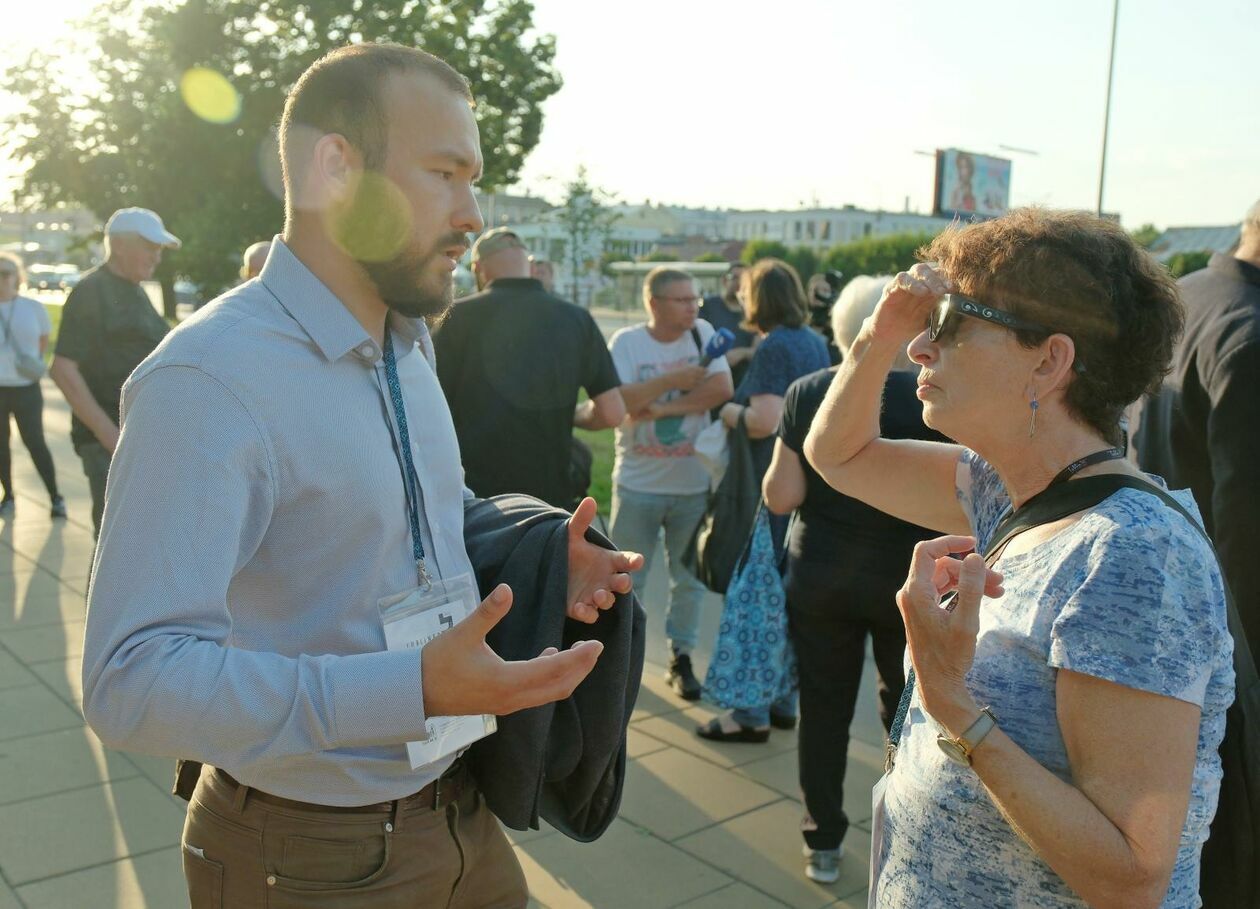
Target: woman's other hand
x=942 y=638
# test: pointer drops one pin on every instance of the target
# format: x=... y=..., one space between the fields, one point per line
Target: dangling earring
x=1032 y=424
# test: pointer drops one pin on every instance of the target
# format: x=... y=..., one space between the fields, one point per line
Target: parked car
x=52 y=277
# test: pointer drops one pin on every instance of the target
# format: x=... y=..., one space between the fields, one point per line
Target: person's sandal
x=782 y=720
x=714 y=732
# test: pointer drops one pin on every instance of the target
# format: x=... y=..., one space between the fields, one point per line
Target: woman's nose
x=921 y=350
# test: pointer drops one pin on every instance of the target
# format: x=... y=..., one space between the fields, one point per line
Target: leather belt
x=447 y=788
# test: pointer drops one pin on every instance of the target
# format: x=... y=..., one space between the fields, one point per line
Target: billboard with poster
x=968 y=184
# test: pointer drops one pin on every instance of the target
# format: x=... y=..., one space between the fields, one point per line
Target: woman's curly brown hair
x=1082 y=276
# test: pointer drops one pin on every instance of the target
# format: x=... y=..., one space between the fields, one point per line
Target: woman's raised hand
x=907 y=303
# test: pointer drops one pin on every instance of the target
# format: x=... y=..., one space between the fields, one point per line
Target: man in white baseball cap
x=108 y=326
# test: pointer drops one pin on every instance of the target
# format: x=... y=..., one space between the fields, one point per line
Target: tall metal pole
x=1111 y=70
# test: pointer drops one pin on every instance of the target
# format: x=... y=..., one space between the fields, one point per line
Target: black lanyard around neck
x=402 y=450
x=1000 y=537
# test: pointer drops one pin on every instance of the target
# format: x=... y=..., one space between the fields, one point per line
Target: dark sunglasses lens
x=937 y=323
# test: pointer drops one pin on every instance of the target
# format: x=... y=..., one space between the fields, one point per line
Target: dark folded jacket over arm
x=564 y=762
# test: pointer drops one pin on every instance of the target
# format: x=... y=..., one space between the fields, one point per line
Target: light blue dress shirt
x=255 y=515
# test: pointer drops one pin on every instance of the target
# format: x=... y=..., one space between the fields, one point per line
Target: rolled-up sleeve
x=191 y=493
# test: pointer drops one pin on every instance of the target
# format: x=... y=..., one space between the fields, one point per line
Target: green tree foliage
x=762 y=249
x=130 y=138
x=659 y=255
x=804 y=260
x=588 y=220
x=710 y=257
x=1145 y=235
x=875 y=255
x=1183 y=263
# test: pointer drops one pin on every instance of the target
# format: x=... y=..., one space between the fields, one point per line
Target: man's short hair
x=1251 y=220
x=341 y=93
x=16 y=261
x=660 y=276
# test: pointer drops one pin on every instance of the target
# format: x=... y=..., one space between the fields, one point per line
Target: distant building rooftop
x=1195 y=239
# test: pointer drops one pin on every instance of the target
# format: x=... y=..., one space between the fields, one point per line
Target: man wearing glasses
x=657 y=479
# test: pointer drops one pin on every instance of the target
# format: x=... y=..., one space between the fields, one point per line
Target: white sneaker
x=823 y=865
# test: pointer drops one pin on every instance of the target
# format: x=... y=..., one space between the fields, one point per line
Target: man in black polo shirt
x=108 y=326
x=511 y=360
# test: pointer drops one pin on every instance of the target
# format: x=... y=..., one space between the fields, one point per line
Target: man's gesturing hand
x=596 y=574
x=462 y=675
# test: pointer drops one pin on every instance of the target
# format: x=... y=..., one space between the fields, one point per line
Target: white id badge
x=877 y=839
x=412 y=619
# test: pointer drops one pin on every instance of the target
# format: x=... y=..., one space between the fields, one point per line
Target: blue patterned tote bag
x=753 y=663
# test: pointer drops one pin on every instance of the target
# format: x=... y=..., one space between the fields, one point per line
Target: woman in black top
x=845 y=561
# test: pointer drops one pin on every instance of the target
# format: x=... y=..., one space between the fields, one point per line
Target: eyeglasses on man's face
x=683 y=301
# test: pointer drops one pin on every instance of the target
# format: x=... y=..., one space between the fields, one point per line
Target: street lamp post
x=1111 y=69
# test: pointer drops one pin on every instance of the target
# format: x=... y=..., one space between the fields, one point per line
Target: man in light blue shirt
x=259 y=509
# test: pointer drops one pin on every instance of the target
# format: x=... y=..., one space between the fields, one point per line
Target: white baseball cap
x=143 y=222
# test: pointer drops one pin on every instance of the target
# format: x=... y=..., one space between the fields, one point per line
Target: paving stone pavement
x=84 y=827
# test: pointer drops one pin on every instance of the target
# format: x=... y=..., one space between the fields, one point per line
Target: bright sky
x=745 y=104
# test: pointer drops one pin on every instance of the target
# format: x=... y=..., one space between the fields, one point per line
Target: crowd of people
x=393 y=532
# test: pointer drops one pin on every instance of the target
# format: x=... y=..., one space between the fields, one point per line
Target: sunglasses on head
x=947 y=315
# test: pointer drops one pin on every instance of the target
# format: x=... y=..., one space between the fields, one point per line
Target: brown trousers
x=244 y=849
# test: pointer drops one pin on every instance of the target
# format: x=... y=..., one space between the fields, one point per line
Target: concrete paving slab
x=763 y=849
x=780 y=773
x=152 y=881
x=640 y=743
x=43 y=602
x=734 y=896
x=38 y=599
x=673 y=793
x=12 y=563
x=160 y=771
x=678 y=729
x=13 y=674
x=8 y=899
x=33 y=709
x=41 y=765
x=89 y=827
x=627 y=868
x=46 y=642
x=65 y=678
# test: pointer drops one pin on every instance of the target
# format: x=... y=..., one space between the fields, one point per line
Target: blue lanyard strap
x=411 y=479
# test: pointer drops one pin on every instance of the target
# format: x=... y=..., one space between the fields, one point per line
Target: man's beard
x=409 y=285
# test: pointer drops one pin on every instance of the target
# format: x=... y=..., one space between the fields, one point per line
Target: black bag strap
x=695 y=338
x=1059 y=502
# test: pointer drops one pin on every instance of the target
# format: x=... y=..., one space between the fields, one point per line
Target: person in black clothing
x=845 y=562
x=107 y=327
x=725 y=310
x=1200 y=430
x=511 y=360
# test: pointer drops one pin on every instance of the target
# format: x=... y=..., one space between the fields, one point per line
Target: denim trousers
x=637 y=520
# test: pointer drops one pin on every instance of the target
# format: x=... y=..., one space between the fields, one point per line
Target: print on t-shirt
x=667 y=437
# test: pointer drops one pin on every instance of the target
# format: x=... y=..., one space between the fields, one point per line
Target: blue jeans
x=760 y=716
x=637 y=519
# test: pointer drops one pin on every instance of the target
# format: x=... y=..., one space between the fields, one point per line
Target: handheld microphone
x=723 y=340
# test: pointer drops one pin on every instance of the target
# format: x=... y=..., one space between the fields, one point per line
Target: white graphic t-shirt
x=659 y=455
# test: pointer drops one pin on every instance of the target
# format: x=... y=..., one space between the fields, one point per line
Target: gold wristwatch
x=959 y=750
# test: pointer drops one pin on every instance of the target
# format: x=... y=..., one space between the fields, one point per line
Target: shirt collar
x=322 y=315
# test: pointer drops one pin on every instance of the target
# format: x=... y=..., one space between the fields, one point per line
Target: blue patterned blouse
x=1129 y=593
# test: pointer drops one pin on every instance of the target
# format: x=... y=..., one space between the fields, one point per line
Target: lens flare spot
x=373 y=225
x=210 y=95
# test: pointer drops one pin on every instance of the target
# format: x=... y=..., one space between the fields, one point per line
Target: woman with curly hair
x=1060 y=744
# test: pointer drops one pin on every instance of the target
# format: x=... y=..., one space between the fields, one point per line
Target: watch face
x=953 y=751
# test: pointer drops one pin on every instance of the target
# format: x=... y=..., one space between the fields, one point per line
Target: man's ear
x=335 y=167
